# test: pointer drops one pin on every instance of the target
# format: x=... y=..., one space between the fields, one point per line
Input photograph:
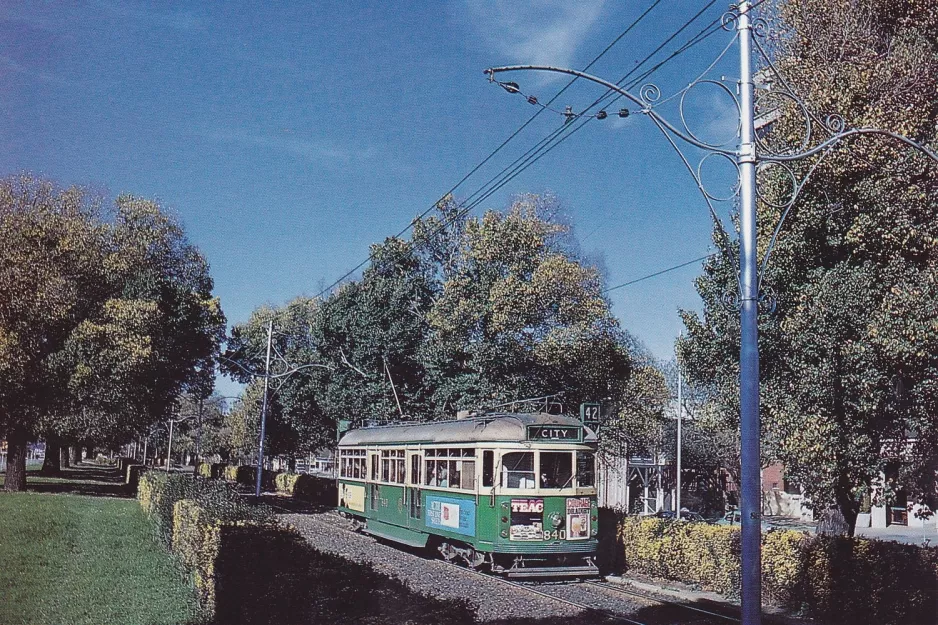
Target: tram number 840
x=555 y=535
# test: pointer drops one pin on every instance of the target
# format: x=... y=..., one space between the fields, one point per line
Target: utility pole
x=169 y=446
x=260 y=446
x=750 y=500
x=680 y=418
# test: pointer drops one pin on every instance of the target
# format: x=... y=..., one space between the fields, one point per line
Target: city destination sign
x=555 y=433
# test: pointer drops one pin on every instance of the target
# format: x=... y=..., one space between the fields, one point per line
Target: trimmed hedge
x=249 y=572
x=158 y=493
x=832 y=579
x=133 y=473
x=309 y=488
x=245 y=475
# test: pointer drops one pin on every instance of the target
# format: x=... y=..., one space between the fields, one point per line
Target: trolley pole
x=260 y=446
x=750 y=501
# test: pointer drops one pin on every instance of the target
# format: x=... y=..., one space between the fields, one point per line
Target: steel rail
x=580 y=606
x=633 y=593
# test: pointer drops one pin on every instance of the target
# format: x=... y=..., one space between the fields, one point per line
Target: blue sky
x=289 y=136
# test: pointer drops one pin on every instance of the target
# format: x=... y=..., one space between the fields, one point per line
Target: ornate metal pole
x=749 y=293
x=750 y=500
x=260 y=446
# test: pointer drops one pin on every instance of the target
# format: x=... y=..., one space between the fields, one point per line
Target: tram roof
x=501 y=427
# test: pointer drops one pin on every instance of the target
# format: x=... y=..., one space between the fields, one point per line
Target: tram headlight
x=555 y=520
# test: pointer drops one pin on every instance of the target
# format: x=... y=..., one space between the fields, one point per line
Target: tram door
x=413 y=503
x=374 y=494
x=488 y=478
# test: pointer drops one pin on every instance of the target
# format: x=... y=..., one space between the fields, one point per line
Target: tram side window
x=556 y=469
x=468 y=475
x=518 y=470
x=392 y=466
x=352 y=464
x=446 y=472
x=585 y=469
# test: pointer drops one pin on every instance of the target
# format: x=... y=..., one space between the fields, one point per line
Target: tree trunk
x=840 y=519
x=89 y=453
x=74 y=454
x=51 y=465
x=63 y=457
x=16 y=461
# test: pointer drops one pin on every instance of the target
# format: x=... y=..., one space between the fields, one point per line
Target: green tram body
x=513 y=492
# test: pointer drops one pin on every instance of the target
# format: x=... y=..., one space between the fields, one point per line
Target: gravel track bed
x=641 y=610
x=491 y=599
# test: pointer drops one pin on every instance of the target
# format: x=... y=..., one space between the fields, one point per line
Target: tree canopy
x=847 y=360
x=469 y=313
x=105 y=314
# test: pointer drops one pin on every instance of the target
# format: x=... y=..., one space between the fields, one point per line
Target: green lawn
x=69 y=560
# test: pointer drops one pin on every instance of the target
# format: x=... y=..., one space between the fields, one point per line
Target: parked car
x=730 y=518
x=686 y=515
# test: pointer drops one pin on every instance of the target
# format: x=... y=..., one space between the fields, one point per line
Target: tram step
x=552 y=571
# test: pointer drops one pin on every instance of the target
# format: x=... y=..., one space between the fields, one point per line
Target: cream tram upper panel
x=486 y=429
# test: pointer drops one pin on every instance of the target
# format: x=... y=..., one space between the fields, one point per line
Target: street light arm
x=829 y=143
x=645 y=105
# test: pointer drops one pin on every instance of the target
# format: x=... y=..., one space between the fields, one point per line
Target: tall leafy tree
x=519 y=316
x=104 y=316
x=847 y=359
x=469 y=313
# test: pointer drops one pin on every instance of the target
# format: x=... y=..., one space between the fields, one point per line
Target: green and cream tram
x=512 y=492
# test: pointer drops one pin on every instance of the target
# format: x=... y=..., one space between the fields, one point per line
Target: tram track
x=529 y=588
x=625 y=591
x=551 y=591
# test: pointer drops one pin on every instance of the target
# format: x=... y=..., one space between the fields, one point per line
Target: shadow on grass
x=82 y=479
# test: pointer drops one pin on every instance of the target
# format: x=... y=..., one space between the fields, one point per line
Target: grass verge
x=76 y=560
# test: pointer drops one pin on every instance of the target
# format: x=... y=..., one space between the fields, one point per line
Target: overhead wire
x=709 y=30
x=658 y=273
x=548 y=143
x=551 y=140
x=499 y=148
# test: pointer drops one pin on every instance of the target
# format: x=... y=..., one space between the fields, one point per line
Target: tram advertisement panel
x=578 y=519
x=352 y=497
x=527 y=519
x=452 y=515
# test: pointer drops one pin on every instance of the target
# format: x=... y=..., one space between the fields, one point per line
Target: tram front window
x=585 y=469
x=518 y=470
x=556 y=469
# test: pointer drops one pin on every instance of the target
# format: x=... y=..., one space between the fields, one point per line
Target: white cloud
x=318 y=150
x=547 y=32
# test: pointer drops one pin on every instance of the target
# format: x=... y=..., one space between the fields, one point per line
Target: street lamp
x=750 y=295
x=283 y=369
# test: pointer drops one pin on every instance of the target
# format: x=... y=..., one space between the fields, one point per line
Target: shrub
x=218 y=470
x=246 y=475
x=706 y=555
x=831 y=579
x=204 y=470
x=316 y=490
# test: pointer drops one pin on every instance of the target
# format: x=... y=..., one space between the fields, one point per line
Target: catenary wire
x=658 y=273
x=545 y=146
x=501 y=146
